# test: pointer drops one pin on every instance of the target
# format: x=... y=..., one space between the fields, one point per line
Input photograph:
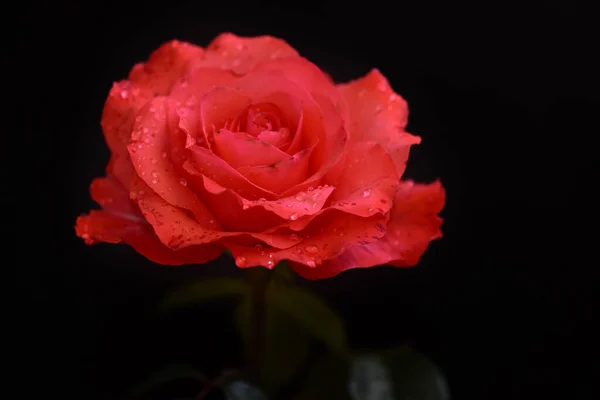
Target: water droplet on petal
x=154 y=161
x=154 y=174
x=240 y=261
x=133 y=195
x=163 y=154
x=154 y=181
x=293 y=236
x=367 y=193
x=123 y=94
x=311 y=264
x=183 y=182
x=300 y=196
x=311 y=249
x=270 y=263
x=293 y=216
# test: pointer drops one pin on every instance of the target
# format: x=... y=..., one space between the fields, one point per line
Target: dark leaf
x=210 y=289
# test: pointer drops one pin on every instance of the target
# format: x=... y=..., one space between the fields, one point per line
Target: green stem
x=259 y=278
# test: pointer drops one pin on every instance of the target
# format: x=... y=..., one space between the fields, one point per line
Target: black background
x=500 y=93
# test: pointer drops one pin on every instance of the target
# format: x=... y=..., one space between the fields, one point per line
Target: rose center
x=264 y=122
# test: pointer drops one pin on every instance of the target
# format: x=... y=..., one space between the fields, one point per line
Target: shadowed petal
x=242 y=150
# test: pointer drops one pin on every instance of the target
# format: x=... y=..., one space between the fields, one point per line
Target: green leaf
x=210 y=289
x=285 y=345
x=166 y=375
x=242 y=390
x=282 y=273
x=310 y=313
x=397 y=375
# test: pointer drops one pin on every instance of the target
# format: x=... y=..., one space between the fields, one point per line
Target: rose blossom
x=247 y=146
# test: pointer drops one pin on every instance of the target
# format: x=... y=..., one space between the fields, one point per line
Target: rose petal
x=307 y=75
x=240 y=149
x=329 y=153
x=119 y=113
x=241 y=54
x=165 y=66
x=220 y=106
x=279 y=176
x=203 y=162
x=121 y=221
x=324 y=238
x=378 y=114
x=149 y=141
x=413 y=224
x=177 y=230
x=368 y=181
x=199 y=81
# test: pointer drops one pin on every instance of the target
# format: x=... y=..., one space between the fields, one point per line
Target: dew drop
x=293 y=236
x=367 y=193
x=262 y=199
x=145 y=130
x=123 y=94
x=310 y=188
x=311 y=249
x=270 y=263
x=133 y=195
x=154 y=181
x=300 y=196
x=212 y=221
x=154 y=174
x=370 y=209
x=311 y=264
x=293 y=216
x=147 y=140
x=240 y=261
x=183 y=182
x=154 y=161
x=152 y=109
x=163 y=154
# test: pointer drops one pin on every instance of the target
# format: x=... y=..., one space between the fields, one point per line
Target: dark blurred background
x=501 y=94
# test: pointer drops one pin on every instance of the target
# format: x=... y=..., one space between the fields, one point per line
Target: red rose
x=249 y=147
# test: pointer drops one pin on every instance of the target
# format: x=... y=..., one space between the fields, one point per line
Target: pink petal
x=379 y=114
x=413 y=224
x=165 y=66
x=241 y=54
x=149 y=141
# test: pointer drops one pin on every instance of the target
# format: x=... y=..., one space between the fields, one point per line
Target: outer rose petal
x=368 y=181
x=241 y=54
x=197 y=82
x=177 y=230
x=123 y=103
x=413 y=224
x=379 y=114
x=121 y=221
x=150 y=142
x=165 y=66
x=325 y=238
